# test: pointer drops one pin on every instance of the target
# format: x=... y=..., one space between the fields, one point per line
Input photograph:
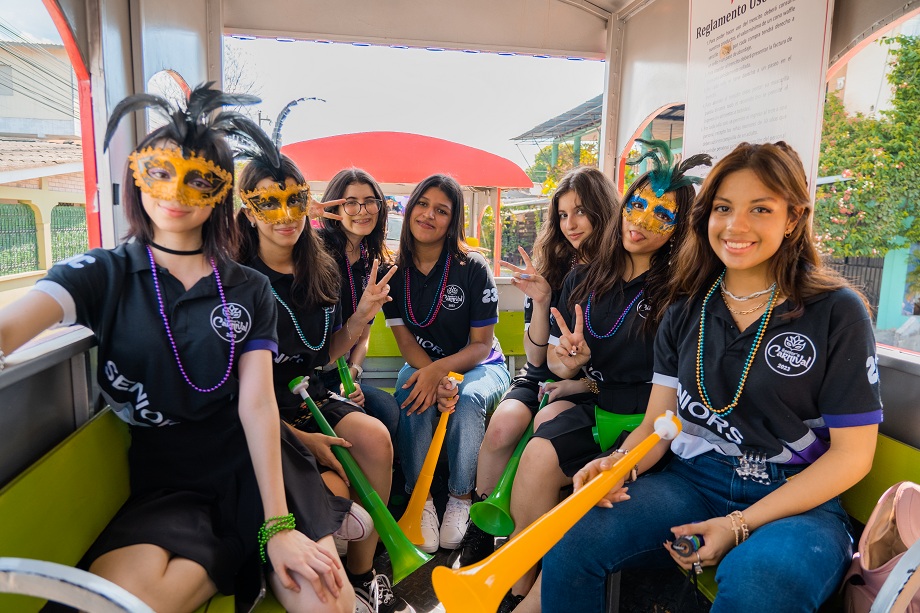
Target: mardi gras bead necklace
x=700 y=384
x=172 y=341
x=326 y=310
x=619 y=321
x=435 y=306
x=351 y=278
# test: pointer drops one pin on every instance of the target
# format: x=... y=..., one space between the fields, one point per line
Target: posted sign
x=757 y=73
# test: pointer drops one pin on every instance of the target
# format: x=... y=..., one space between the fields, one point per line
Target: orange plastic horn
x=411 y=520
x=480 y=587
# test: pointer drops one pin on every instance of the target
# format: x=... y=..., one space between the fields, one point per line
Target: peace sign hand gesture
x=527 y=279
x=572 y=349
x=375 y=294
x=318 y=209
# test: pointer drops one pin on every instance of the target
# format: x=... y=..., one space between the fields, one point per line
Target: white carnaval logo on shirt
x=453 y=297
x=790 y=354
x=239 y=320
x=643 y=309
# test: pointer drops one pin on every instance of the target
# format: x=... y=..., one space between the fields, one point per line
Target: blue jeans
x=792 y=564
x=481 y=389
x=383 y=406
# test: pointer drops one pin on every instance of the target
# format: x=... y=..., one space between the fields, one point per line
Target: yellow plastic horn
x=406 y=558
x=479 y=588
x=493 y=515
x=411 y=521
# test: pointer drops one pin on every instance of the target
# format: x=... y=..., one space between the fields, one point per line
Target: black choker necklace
x=175 y=251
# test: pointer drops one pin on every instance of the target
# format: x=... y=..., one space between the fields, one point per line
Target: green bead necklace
x=700 y=385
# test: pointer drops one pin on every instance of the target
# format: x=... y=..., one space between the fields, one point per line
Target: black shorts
x=571 y=435
x=527 y=392
x=333 y=408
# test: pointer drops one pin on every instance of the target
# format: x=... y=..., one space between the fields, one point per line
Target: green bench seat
x=57 y=507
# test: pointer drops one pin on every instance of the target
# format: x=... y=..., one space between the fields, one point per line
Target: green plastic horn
x=493 y=515
x=405 y=557
x=611 y=425
x=348 y=384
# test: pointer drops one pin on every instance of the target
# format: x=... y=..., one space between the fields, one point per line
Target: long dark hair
x=455 y=239
x=332 y=232
x=552 y=252
x=606 y=271
x=316 y=276
x=218 y=233
x=796 y=265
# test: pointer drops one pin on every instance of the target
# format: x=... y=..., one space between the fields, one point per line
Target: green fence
x=18 y=239
x=68 y=231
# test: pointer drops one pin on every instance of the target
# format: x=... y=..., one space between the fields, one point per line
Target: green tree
x=873 y=209
x=543 y=169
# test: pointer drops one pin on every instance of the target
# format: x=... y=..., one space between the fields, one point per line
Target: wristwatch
x=360 y=371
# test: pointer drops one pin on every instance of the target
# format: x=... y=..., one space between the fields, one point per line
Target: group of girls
x=716 y=307
x=199 y=318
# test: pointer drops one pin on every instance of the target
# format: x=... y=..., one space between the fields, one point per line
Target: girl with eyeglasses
x=443 y=315
x=185 y=343
x=769 y=360
x=355 y=240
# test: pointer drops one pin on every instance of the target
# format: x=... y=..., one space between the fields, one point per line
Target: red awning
x=398 y=157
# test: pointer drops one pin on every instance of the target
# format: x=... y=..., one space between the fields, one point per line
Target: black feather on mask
x=191 y=127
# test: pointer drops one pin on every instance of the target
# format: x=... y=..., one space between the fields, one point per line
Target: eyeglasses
x=353 y=206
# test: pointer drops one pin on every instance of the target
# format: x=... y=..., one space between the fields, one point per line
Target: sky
x=481 y=100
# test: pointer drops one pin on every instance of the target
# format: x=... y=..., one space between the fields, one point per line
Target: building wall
x=42 y=100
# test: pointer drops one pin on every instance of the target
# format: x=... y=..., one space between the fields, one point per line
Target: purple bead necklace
x=435 y=306
x=619 y=322
x=172 y=342
x=351 y=278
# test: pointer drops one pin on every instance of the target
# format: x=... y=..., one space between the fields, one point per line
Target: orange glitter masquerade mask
x=165 y=174
x=276 y=204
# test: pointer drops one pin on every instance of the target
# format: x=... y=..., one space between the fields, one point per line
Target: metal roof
x=583 y=117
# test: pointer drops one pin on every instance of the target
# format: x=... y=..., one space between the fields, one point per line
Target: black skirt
x=194 y=493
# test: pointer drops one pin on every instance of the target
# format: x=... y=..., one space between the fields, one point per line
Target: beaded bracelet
x=271 y=527
x=739 y=527
x=591 y=384
x=2 y=360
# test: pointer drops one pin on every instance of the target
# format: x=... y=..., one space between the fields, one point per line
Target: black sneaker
x=376 y=596
x=475 y=546
x=509 y=603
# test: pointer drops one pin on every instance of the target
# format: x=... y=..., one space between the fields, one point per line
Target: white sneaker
x=430 y=530
x=356 y=526
x=456 y=518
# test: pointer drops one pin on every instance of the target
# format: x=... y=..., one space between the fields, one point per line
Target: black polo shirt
x=470 y=301
x=816 y=372
x=540 y=373
x=621 y=364
x=359 y=274
x=294 y=358
x=112 y=293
